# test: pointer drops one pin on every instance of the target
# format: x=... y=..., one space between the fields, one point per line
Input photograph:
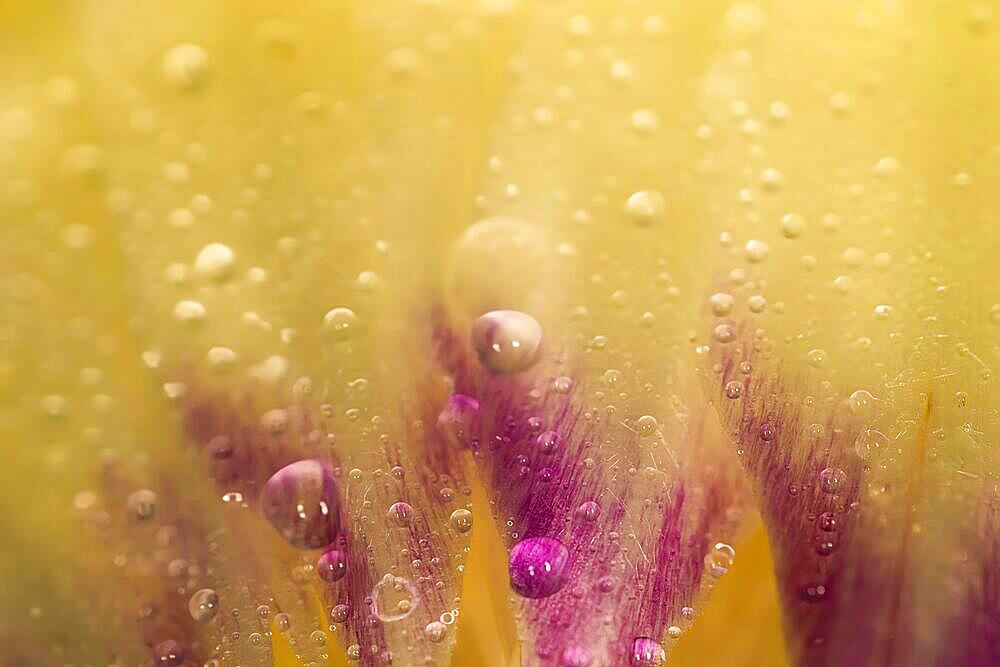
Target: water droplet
x=733 y=389
x=547 y=442
x=168 y=653
x=647 y=426
x=674 y=632
x=332 y=565
x=283 y=622
x=506 y=341
x=827 y=522
x=189 y=311
x=215 y=261
x=186 y=66
x=340 y=322
x=401 y=514
x=204 y=605
x=394 y=598
x=721 y=304
x=588 y=511
x=755 y=251
x=301 y=502
x=831 y=479
x=720 y=559
x=646 y=652
x=435 y=631
x=340 y=613
x=860 y=402
x=461 y=520
x=538 y=567
x=576 y=656
x=562 y=384
x=142 y=504
x=645 y=207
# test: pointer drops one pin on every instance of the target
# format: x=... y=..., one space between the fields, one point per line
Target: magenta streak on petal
x=612 y=596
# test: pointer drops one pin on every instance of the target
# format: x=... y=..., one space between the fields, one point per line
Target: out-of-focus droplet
x=302 y=504
x=340 y=322
x=647 y=426
x=507 y=341
x=142 y=504
x=457 y=421
x=204 y=605
x=215 y=261
x=646 y=207
x=169 y=653
x=186 y=66
x=538 y=567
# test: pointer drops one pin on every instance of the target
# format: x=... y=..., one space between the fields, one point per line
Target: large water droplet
x=301 y=502
x=506 y=341
x=204 y=605
x=538 y=566
x=332 y=565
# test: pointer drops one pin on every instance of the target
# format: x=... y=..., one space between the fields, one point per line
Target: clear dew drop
x=506 y=341
x=646 y=207
x=647 y=426
x=203 y=605
x=720 y=559
x=721 y=304
x=733 y=389
x=400 y=514
x=831 y=480
x=461 y=520
x=547 y=442
x=861 y=403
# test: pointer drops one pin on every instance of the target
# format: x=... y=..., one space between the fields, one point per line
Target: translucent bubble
x=461 y=520
x=831 y=480
x=588 y=511
x=720 y=559
x=538 y=567
x=186 y=66
x=142 y=504
x=302 y=503
x=860 y=402
x=204 y=605
x=215 y=261
x=332 y=565
x=721 y=304
x=401 y=514
x=394 y=598
x=435 y=631
x=647 y=426
x=506 y=341
x=646 y=652
x=547 y=442
x=646 y=207
x=340 y=322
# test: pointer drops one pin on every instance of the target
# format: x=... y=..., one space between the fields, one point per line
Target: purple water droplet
x=547 y=442
x=538 y=566
x=646 y=652
x=332 y=565
x=301 y=502
x=458 y=420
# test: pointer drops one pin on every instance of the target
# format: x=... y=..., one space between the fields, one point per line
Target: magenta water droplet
x=547 y=442
x=332 y=565
x=646 y=652
x=302 y=504
x=538 y=566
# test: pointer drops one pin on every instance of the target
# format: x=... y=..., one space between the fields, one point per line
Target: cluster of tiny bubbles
x=831 y=480
x=340 y=322
x=203 y=605
x=506 y=341
x=646 y=652
x=720 y=559
x=461 y=520
x=645 y=207
x=394 y=598
x=538 y=567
